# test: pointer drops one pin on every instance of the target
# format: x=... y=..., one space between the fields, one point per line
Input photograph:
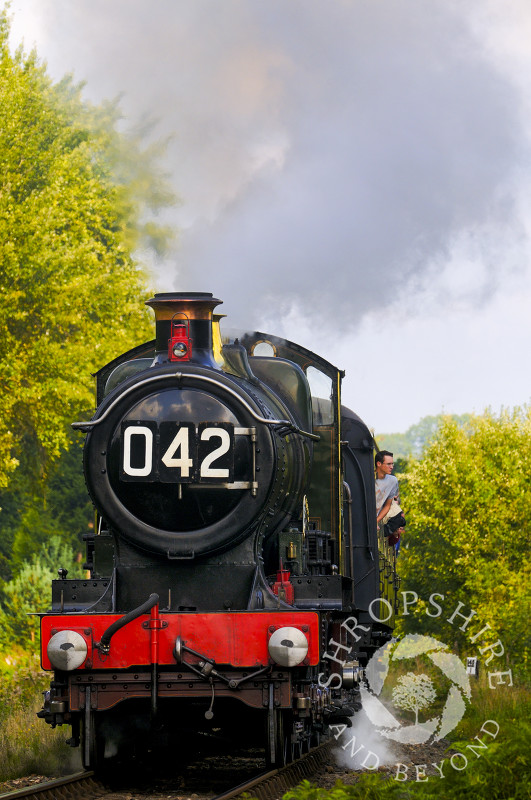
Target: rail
x=273 y=784
x=75 y=786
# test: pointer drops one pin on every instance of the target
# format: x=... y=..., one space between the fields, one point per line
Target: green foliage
x=21 y=681
x=506 y=704
x=29 y=592
x=31 y=512
x=468 y=536
x=27 y=745
x=76 y=198
x=503 y=773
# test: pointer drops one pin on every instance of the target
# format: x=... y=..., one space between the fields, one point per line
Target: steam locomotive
x=238 y=582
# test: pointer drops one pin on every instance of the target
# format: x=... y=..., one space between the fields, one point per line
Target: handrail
x=104 y=644
x=88 y=426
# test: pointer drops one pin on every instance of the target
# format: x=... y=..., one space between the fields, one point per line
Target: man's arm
x=384 y=509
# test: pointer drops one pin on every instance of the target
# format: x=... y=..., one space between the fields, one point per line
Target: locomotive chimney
x=184 y=327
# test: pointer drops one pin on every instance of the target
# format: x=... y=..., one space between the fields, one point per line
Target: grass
x=505 y=704
x=28 y=745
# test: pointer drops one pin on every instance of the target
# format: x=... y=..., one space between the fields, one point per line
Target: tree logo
x=414 y=692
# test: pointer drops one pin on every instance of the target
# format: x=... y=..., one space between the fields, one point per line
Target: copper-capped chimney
x=184 y=327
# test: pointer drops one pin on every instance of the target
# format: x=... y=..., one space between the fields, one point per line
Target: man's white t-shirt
x=386 y=487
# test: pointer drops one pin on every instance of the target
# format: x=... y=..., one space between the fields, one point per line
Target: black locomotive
x=238 y=581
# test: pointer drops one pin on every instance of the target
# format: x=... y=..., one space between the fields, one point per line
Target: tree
x=29 y=592
x=413 y=692
x=416 y=438
x=468 y=536
x=31 y=513
x=75 y=200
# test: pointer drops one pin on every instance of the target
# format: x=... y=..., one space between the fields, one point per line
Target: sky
x=353 y=175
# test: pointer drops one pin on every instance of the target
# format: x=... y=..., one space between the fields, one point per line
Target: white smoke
x=328 y=153
x=359 y=166
x=361 y=747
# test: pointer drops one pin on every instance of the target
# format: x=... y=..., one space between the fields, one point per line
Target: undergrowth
x=27 y=745
x=505 y=704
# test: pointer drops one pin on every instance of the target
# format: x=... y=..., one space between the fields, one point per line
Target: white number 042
x=177 y=455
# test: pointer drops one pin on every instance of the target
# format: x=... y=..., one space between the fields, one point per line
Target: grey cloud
x=328 y=153
x=400 y=136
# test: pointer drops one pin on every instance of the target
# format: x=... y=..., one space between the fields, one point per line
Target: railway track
x=268 y=785
x=273 y=784
x=81 y=785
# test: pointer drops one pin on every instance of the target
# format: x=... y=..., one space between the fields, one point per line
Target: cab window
x=321 y=389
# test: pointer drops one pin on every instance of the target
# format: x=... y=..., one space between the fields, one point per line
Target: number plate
x=174 y=452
